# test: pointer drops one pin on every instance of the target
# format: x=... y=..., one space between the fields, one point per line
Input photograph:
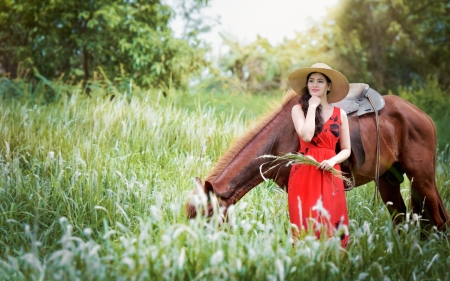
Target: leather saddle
x=360 y=100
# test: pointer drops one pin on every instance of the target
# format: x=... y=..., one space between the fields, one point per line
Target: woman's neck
x=325 y=104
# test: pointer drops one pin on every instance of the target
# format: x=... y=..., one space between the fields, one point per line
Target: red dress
x=312 y=190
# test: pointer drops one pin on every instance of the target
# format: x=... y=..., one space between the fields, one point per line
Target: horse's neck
x=237 y=172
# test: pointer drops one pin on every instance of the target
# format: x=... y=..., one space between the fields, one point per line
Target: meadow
x=94 y=189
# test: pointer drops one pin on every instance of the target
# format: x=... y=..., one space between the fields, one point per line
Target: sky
x=244 y=20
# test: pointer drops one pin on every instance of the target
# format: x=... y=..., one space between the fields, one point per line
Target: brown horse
x=407 y=145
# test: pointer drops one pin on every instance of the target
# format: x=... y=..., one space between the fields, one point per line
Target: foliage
x=194 y=21
x=254 y=65
x=260 y=67
x=385 y=44
x=79 y=41
x=391 y=43
x=93 y=189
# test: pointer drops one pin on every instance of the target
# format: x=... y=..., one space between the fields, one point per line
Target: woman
x=316 y=198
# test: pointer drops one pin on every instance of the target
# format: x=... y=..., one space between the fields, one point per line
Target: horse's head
x=238 y=170
x=203 y=199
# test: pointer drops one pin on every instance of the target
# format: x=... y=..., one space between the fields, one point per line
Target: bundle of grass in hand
x=296 y=158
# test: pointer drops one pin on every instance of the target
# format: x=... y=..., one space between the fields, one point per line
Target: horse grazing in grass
x=407 y=144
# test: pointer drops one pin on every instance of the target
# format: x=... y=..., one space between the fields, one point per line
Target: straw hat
x=339 y=83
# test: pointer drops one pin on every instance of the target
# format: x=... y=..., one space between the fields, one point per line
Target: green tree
x=391 y=43
x=249 y=65
x=384 y=43
x=262 y=67
x=73 y=40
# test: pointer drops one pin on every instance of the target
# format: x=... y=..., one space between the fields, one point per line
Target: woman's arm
x=305 y=126
x=344 y=143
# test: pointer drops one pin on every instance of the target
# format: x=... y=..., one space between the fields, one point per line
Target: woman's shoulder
x=297 y=107
x=342 y=114
x=341 y=111
x=297 y=111
x=338 y=110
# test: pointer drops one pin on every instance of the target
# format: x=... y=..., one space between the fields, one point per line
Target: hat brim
x=339 y=83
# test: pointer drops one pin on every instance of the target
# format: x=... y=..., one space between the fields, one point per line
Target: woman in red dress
x=316 y=198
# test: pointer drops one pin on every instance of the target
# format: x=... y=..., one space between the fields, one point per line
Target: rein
x=377 y=158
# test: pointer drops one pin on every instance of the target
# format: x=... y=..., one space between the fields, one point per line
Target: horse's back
x=405 y=132
x=410 y=121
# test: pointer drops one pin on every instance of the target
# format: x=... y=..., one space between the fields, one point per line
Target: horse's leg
x=428 y=202
x=389 y=187
x=425 y=198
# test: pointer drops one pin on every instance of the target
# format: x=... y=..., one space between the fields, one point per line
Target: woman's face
x=318 y=85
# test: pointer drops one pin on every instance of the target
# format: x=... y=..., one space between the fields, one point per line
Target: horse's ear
x=198 y=182
x=208 y=187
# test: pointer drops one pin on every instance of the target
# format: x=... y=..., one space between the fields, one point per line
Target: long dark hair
x=304 y=102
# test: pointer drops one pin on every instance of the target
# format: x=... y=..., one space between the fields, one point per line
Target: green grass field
x=93 y=189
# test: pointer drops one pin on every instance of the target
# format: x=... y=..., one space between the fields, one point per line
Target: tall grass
x=93 y=189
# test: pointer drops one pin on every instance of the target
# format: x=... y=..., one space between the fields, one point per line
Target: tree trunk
x=86 y=71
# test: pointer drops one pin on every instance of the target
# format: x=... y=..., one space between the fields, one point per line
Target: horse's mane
x=240 y=144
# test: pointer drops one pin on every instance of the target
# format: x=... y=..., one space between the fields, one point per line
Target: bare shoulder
x=297 y=111
x=343 y=115
x=296 y=108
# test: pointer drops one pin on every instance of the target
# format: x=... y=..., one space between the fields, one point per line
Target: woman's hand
x=327 y=164
x=314 y=101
